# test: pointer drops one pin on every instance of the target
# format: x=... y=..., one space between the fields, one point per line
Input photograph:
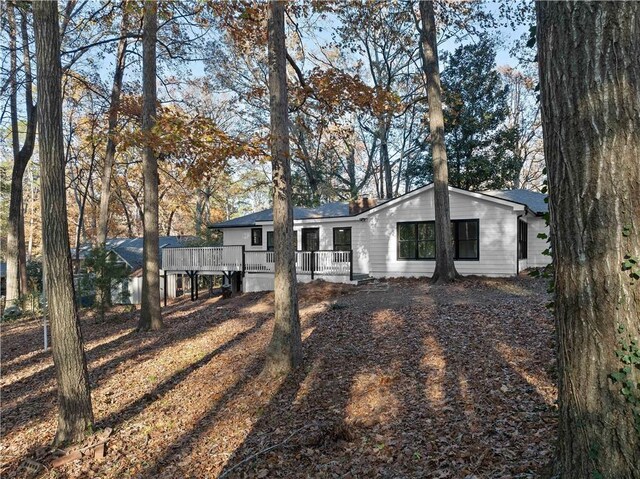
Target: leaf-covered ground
x=400 y=379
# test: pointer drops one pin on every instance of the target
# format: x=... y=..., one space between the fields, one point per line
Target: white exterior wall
x=497 y=231
x=253 y=282
x=535 y=258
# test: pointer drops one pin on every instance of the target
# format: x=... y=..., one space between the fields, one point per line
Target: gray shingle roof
x=329 y=210
x=532 y=199
x=130 y=249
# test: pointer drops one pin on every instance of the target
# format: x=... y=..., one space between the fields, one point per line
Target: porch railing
x=314 y=263
x=220 y=258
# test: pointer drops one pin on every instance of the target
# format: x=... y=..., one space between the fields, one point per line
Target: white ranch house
x=495 y=234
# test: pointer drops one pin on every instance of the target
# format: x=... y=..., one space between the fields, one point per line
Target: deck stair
x=361 y=278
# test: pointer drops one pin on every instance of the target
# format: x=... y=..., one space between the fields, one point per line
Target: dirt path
x=400 y=379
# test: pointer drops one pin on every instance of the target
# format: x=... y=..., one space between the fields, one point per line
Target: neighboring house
x=128 y=251
x=495 y=234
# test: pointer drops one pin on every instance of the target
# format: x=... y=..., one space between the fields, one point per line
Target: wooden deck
x=227 y=259
x=219 y=259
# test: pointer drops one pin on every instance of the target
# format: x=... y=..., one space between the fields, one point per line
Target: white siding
x=497 y=224
x=264 y=282
x=535 y=258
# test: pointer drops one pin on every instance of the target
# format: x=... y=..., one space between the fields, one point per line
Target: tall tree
x=285 y=349
x=445 y=270
x=589 y=60
x=75 y=414
x=16 y=256
x=150 y=316
x=480 y=145
x=114 y=105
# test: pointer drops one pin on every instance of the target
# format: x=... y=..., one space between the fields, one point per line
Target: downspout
x=518 y=244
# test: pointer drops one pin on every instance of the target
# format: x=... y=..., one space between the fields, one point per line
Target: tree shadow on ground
x=409 y=390
x=289 y=392
x=24 y=404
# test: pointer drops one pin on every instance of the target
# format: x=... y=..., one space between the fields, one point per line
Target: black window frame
x=416 y=241
x=523 y=239
x=270 y=234
x=455 y=233
x=346 y=228
x=255 y=241
x=456 y=240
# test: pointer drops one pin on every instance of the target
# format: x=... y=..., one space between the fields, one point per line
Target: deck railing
x=235 y=258
x=259 y=261
x=220 y=258
x=314 y=263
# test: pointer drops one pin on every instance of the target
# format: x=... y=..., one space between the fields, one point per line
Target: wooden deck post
x=165 y=288
x=313 y=260
x=350 y=265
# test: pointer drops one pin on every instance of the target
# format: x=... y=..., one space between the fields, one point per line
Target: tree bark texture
x=16 y=252
x=114 y=105
x=74 y=399
x=285 y=349
x=385 y=162
x=150 y=316
x=445 y=270
x=589 y=60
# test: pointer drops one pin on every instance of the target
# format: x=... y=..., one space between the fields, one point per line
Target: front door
x=310 y=239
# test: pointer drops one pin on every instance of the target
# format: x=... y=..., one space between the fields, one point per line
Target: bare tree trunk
x=81 y=210
x=32 y=195
x=285 y=349
x=385 y=163
x=22 y=252
x=445 y=270
x=75 y=414
x=16 y=255
x=170 y=221
x=589 y=59
x=114 y=105
x=150 y=316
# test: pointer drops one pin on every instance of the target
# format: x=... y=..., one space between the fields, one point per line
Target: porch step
x=362 y=279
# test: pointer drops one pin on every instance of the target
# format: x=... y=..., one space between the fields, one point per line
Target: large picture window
x=256 y=236
x=417 y=240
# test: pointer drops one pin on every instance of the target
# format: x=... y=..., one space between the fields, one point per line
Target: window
x=522 y=239
x=342 y=239
x=270 y=244
x=256 y=236
x=465 y=239
x=417 y=240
